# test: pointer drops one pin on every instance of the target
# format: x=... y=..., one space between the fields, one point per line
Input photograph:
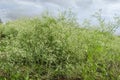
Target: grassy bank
x=58 y=48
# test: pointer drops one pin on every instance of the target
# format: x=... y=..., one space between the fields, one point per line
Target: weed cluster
x=57 y=48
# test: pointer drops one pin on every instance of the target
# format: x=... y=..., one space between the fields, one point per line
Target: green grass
x=58 y=48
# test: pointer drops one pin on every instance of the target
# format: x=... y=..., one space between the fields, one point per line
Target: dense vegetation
x=58 y=48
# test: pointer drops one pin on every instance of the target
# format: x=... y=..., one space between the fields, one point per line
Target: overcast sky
x=12 y=9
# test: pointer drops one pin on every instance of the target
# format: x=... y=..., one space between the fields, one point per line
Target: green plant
x=57 y=48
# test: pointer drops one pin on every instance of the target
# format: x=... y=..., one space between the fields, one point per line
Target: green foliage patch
x=58 y=48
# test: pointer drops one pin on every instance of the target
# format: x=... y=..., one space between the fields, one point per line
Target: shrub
x=57 y=48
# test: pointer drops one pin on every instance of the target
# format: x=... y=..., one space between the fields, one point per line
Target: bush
x=57 y=48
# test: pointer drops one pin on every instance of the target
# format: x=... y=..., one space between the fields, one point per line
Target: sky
x=13 y=9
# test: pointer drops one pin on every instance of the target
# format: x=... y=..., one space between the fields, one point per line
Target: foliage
x=57 y=48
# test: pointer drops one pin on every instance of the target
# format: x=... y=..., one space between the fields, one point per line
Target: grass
x=58 y=48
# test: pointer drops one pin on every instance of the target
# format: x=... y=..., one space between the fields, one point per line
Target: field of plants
x=59 y=48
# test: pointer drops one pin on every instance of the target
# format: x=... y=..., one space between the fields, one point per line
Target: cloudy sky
x=13 y=9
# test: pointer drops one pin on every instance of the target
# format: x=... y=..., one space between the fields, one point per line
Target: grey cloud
x=12 y=9
x=84 y=4
x=112 y=1
x=15 y=9
x=61 y=3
